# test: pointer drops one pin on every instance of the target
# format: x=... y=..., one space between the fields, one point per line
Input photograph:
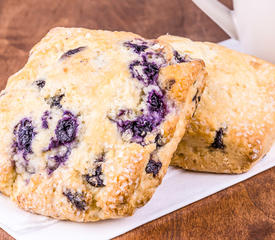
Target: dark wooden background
x=244 y=211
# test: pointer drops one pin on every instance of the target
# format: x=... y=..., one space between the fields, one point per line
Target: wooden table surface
x=244 y=211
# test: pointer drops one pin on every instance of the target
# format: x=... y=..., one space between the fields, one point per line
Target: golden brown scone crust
x=234 y=125
x=68 y=152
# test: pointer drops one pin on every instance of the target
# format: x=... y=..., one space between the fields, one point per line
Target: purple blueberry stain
x=72 y=52
x=57 y=160
x=137 y=45
x=156 y=103
x=76 y=199
x=151 y=70
x=153 y=167
x=44 y=119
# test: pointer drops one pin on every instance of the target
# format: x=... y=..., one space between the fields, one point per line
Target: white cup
x=252 y=23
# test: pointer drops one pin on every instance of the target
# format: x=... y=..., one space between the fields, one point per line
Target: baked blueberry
x=55 y=101
x=151 y=70
x=72 y=52
x=159 y=141
x=44 y=119
x=138 y=127
x=153 y=167
x=179 y=58
x=137 y=45
x=141 y=126
x=40 y=83
x=77 y=199
x=146 y=72
x=95 y=179
x=218 y=141
x=156 y=103
x=66 y=128
x=24 y=134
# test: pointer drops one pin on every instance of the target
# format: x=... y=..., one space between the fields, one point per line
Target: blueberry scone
x=234 y=125
x=91 y=122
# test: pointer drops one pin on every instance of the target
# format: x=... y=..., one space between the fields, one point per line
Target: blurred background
x=24 y=22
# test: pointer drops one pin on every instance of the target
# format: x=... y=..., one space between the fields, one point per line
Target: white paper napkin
x=179 y=188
